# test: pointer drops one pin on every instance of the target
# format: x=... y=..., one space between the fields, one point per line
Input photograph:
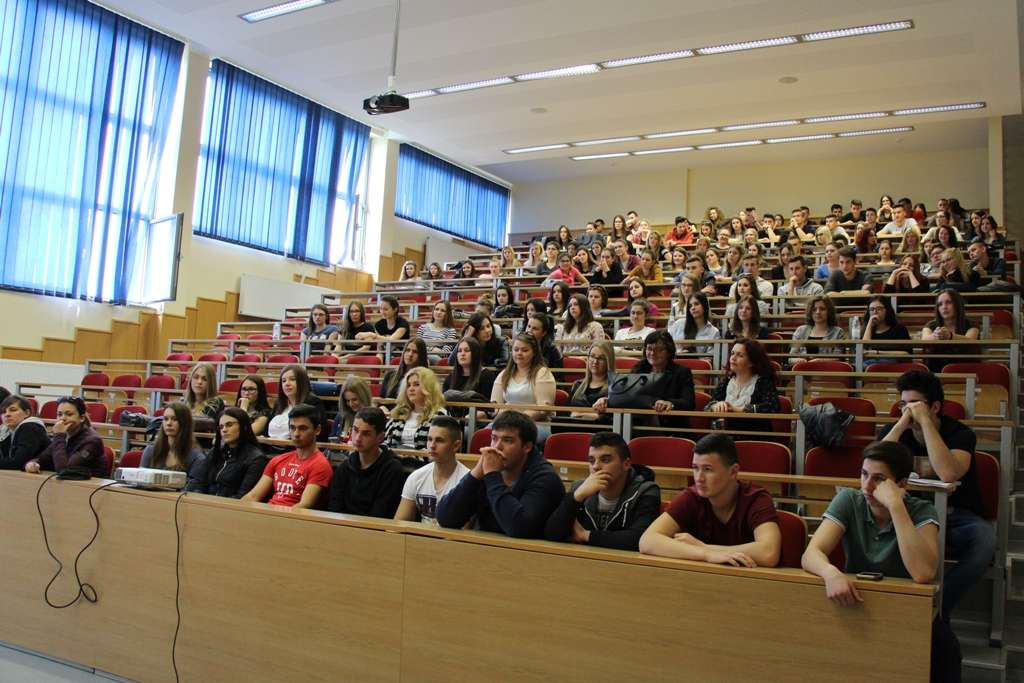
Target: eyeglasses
x=249 y=389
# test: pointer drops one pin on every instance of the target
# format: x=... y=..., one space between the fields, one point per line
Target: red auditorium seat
x=661 y=451
x=122 y=381
x=794 y=538
x=858 y=432
x=480 y=438
x=568 y=446
x=131 y=459
x=97 y=412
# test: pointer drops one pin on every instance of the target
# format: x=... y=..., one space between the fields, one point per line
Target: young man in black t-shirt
x=848 y=278
x=943 y=448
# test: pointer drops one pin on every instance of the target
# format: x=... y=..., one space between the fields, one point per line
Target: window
x=443 y=196
x=278 y=172
x=86 y=97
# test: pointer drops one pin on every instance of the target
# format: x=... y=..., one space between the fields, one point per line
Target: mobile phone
x=870 y=576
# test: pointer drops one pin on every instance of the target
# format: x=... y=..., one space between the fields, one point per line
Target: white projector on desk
x=145 y=477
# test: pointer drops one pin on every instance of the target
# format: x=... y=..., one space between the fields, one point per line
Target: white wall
x=541 y=207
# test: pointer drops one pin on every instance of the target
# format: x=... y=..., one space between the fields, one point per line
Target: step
x=982 y=657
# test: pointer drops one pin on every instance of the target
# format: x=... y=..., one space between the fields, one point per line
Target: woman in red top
x=567 y=272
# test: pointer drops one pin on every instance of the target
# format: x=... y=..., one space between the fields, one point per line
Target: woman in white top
x=419 y=401
x=293 y=389
x=536 y=256
x=638 y=329
x=426 y=486
x=698 y=323
x=579 y=325
x=441 y=328
x=525 y=380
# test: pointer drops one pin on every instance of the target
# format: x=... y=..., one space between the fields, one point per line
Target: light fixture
x=763 y=124
x=679 y=133
x=420 y=93
x=800 y=138
x=280 y=9
x=473 y=85
x=846 y=117
x=858 y=31
x=541 y=148
x=611 y=155
x=747 y=45
x=578 y=70
x=723 y=145
x=647 y=59
x=876 y=131
x=940 y=108
x=606 y=141
x=665 y=150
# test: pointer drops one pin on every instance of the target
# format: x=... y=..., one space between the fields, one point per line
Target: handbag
x=639 y=390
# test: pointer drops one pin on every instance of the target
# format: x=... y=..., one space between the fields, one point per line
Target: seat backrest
x=561 y=397
x=273 y=386
x=763 y=456
x=108 y=460
x=661 y=451
x=289 y=358
x=858 y=431
x=97 y=412
x=323 y=360
x=365 y=360
x=700 y=400
x=896 y=367
x=794 y=538
x=229 y=336
x=480 y=438
x=573 y=362
x=986 y=468
x=825 y=365
x=626 y=363
x=229 y=386
x=48 y=411
x=212 y=358
x=833 y=462
x=159 y=382
x=127 y=381
x=568 y=446
x=96 y=379
x=131 y=459
x=178 y=356
x=988 y=373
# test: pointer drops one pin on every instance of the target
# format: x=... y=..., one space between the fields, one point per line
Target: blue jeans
x=972 y=541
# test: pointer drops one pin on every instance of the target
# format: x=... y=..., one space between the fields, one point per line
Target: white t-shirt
x=277 y=428
x=627 y=333
x=893 y=229
x=419 y=488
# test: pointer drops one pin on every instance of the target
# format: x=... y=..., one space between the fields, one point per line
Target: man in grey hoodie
x=613 y=506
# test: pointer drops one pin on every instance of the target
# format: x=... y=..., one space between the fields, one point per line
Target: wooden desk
x=274 y=594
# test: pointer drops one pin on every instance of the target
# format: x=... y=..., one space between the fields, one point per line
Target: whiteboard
x=264 y=297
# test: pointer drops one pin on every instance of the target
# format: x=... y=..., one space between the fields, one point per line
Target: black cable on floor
x=177 y=586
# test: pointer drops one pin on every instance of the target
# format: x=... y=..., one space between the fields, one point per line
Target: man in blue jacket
x=512 y=489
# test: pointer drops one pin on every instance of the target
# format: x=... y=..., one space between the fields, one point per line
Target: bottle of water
x=277 y=330
x=855 y=327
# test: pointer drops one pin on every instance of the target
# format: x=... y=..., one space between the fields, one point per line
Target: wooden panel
x=58 y=350
x=149 y=335
x=91 y=344
x=347 y=280
x=385 y=268
x=209 y=312
x=20 y=353
x=414 y=256
x=172 y=326
x=124 y=342
x=230 y=306
x=549 y=609
x=325 y=278
x=191 y=314
x=364 y=282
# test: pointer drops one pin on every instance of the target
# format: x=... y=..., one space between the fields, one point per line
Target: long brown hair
x=168 y=456
x=535 y=364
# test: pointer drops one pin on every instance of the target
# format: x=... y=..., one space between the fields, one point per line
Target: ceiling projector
x=145 y=477
x=388 y=103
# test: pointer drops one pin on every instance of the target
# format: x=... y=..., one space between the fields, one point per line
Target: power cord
x=85 y=590
x=177 y=585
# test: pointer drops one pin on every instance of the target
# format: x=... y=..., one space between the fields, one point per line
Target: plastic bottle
x=277 y=330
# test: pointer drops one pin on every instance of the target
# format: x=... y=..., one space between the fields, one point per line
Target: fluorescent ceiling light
x=764 y=124
x=647 y=59
x=877 y=131
x=578 y=70
x=679 y=133
x=722 y=145
x=800 y=138
x=420 y=93
x=541 y=148
x=665 y=150
x=858 y=31
x=846 y=117
x=474 y=85
x=280 y=9
x=939 y=108
x=606 y=141
x=747 y=45
x=600 y=156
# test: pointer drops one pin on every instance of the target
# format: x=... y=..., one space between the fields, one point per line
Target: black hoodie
x=638 y=506
x=373 y=492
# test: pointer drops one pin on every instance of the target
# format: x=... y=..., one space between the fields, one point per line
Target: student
x=567 y=273
x=588 y=391
x=906 y=277
x=950 y=322
x=943 y=448
x=697 y=269
x=820 y=324
x=634 y=289
x=505 y=304
x=495 y=349
x=579 y=326
x=355 y=326
x=369 y=481
x=984 y=264
x=698 y=323
x=748 y=387
x=550 y=262
x=536 y=256
x=627 y=261
x=355 y=395
x=613 y=506
x=235 y=463
x=681 y=233
x=541 y=327
x=175 y=448
x=512 y=489
x=955 y=273
x=493 y=274
x=201 y=393
x=391 y=326
x=526 y=381
x=719 y=519
x=468 y=376
x=831 y=263
x=23 y=436
x=752 y=267
x=319 y=329
x=848 y=278
x=74 y=443
x=655 y=246
x=434 y=272
x=746 y=286
x=252 y=398
x=798 y=284
x=746 y=321
x=854 y=215
x=439 y=332
x=607 y=270
x=558 y=299
x=414 y=355
x=911 y=243
x=564 y=236
x=419 y=402
x=678 y=388
x=900 y=223
x=989 y=234
x=878 y=324
x=410 y=272
x=299 y=477
x=638 y=328
x=293 y=389
x=432 y=482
